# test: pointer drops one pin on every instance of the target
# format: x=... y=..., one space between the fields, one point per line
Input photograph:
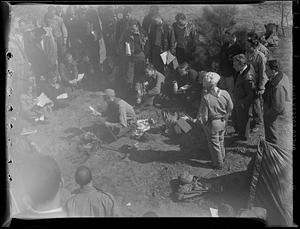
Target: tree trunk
x=282 y=16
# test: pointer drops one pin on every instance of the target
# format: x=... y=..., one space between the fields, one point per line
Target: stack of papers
x=62 y=96
x=167 y=57
x=43 y=100
x=183 y=125
x=80 y=77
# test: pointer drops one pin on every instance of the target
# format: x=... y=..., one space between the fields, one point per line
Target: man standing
x=228 y=51
x=243 y=95
x=89 y=201
x=161 y=39
x=185 y=38
x=258 y=61
x=58 y=29
x=132 y=47
x=147 y=21
x=278 y=108
x=216 y=106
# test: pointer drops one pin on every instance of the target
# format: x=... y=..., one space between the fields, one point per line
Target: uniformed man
x=243 y=95
x=215 y=108
x=278 y=119
x=119 y=113
x=258 y=61
x=89 y=201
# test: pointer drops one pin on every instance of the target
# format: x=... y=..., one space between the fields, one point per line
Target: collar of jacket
x=245 y=71
x=274 y=81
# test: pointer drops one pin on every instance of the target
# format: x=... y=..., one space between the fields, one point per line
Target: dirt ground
x=145 y=180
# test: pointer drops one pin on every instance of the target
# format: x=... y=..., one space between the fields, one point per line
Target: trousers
x=241 y=119
x=257 y=113
x=214 y=132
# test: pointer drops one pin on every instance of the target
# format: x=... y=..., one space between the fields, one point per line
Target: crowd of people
x=244 y=85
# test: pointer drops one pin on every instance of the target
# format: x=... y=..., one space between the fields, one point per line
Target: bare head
x=83 y=176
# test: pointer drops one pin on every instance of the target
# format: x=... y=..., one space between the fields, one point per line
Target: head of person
x=272 y=67
x=42 y=181
x=181 y=19
x=149 y=70
x=83 y=176
x=59 y=10
x=153 y=10
x=183 y=69
x=239 y=62
x=215 y=64
x=230 y=36
x=252 y=41
x=127 y=12
x=52 y=11
x=134 y=26
x=210 y=80
x=68 y=58
x=109 y=95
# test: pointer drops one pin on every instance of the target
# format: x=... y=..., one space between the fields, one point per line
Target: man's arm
x=262 y=76
x=250 y=91
x=202 y=115
x=279 y=100
x=64 y=32
x=122 y=117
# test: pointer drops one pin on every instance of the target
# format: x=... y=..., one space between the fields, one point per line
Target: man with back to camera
x=89 y=201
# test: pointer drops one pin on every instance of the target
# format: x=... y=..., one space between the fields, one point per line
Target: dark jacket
x=185 y=37
x=278 y=120
x=68 y=71
x=226 y=56
x=244 y=87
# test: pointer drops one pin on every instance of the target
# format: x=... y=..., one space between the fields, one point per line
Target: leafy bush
x=213 y=24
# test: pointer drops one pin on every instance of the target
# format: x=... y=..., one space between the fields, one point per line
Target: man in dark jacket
x=228 y=51
x=243 y=95
x=147 y=21
x=161 y=39
x=185 y=34
x=278 y=113
x=132 y=49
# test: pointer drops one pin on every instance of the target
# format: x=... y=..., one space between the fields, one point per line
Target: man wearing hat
x=147 y=21
x=119 y=113
x=252 y=36
x=215 y=108
x=243 y=95
x=278 y=112
x=89 y=201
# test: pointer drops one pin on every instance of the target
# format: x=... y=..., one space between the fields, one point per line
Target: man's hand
x=260 y=92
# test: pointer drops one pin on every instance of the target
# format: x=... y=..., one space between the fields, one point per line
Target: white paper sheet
x=164 y=57
x=43 y=100
x=62 y=96
x=170 y=57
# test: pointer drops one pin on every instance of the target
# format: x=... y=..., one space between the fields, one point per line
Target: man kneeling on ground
x=119 y=113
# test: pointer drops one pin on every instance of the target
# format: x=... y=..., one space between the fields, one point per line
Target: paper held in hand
x=62 y=96
x=167 y=57
x=43 y=100
x=80 y=77
x=94 y=111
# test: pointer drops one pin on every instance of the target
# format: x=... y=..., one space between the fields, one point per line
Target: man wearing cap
x=119 y=113
x=88 y=201
x=258 y=60
x=243 y=95
x=147 y=21
x=252 y=36
x=216 y=106
x=278 y=112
